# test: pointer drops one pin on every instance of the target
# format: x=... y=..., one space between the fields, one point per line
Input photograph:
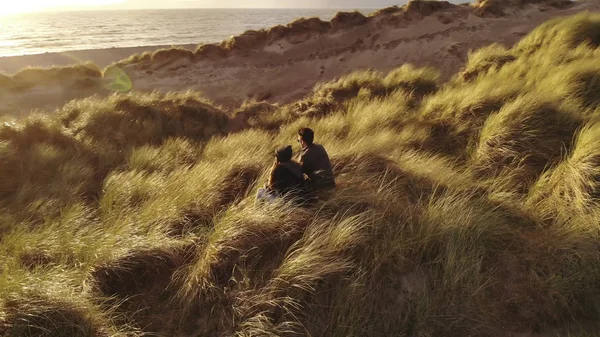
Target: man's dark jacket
x=317 y=166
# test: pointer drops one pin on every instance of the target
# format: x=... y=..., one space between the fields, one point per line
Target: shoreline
x=101 y=57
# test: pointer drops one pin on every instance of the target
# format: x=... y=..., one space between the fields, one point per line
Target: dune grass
x=81 y=75
x=465 y=208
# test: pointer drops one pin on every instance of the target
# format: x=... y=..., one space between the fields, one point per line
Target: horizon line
x=175 y=8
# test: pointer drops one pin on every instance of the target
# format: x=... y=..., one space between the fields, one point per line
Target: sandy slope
x=281 y=70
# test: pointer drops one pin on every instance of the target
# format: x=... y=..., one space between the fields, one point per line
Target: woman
x=285 y=178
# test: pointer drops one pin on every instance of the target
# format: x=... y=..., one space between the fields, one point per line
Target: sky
x=25 y=6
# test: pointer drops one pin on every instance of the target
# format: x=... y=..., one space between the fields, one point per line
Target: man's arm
x=305 y=162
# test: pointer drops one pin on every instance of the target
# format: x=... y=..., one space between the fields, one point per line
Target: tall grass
x=462 y=208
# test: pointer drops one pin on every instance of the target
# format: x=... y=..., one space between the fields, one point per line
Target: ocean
x=39 y=33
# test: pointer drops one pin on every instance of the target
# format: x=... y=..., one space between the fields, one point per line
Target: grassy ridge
x=463 y=208
x=80 y=76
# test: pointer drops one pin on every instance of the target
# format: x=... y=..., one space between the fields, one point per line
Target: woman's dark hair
x=307 y=135
x=284 y=154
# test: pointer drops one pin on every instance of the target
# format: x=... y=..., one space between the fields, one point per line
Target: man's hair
x=307 y=135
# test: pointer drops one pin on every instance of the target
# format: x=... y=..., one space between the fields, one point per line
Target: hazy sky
x=23 y=6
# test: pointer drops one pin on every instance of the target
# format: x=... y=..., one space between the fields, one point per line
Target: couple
x=289 y=178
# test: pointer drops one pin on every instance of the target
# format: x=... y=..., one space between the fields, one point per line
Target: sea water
x=37 y=33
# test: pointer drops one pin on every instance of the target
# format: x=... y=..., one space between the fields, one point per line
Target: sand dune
x=283 y=63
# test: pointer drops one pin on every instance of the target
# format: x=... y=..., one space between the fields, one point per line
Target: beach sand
x=281 y=67
x=100 y=57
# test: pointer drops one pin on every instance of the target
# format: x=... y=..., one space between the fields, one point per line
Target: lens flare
x=117 y=80
x=114 y=79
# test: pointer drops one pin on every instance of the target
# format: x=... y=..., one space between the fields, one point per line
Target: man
x=315 y=161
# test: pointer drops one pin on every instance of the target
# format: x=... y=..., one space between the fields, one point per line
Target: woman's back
x=286 y=177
